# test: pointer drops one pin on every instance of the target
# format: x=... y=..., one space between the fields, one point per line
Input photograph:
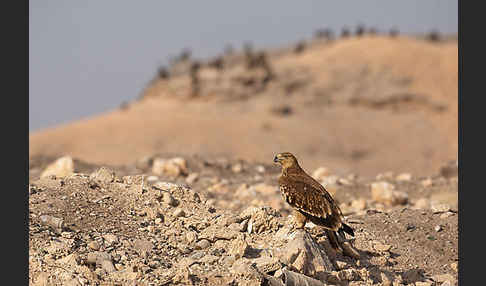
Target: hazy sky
x=86 y=57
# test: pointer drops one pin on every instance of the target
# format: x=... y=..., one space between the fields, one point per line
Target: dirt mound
x=222 y=222
x=361 y=105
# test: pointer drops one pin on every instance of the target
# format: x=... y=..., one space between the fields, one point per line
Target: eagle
x=310 y=201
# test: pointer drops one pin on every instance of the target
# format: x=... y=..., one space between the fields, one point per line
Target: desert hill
x=363 y=104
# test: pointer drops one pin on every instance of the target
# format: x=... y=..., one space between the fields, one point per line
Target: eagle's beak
x=275 y=159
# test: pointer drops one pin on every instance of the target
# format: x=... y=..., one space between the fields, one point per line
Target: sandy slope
x=336 y=120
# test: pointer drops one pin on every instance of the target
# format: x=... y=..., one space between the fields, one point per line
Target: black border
x=15 y=92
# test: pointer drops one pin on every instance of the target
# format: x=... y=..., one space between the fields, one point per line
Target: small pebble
x=191 y=237
x=378 y=246
x=446 y=215
x=454 y=266
x=203 y=244
x=169 y=199
x=260 y=169
x=192 y=178
x=237 y=168
x=94 y=245
x=179 y=213
x=426 y=183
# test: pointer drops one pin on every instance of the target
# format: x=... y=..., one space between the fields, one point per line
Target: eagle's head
x=286 y=160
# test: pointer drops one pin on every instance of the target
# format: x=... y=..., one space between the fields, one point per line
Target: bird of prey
x=310 y=201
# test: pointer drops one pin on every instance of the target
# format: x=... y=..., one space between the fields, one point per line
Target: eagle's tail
x=345 y=229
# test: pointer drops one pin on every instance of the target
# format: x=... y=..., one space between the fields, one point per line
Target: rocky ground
x=173 y=219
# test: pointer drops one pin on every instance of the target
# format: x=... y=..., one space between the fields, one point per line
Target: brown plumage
x=310 y=200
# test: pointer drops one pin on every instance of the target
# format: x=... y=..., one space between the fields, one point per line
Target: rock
x=127 y=274
x=170 y=167
x=443 y=278
x=228 y=260
x=191 y=178
x=57 y=247
x=244 y=225
x=446 y=215
x=143 y=246
x=404 y=177
x=216 y=232
x=71 y=260
x=440 y=208
x=191 y=237
x=203 y=244
x=101 y=259
x=260 y=169
x=348 y=275
x=152 y=179
x=344 y=182
x=292 y=278
x=412 y=275
x=97 y=256
x=153 y=213
x=235 y=226
x=209 y=259
x=237 y=168
x=423 y=283
x=385 y=176
x=384 y=192
x=320 y=173
x=454 y=266
x=110 y=239
x=42 y=279
x=267 y=264
x=380 y=247
x=67 y=234
x=103 y=176
x=179 y=213
x=359 y=204
x=168 y=199
x=54 y=222
x=386 y=280
x=260 y=219
x=144 y=163
x=422 y=203
x=243 y=269
x=72 y=282
x=341 y=265
x=305 y=256
x=94 y=245
x=238 y=247
x=165 y=186
x=426 y=183
x=62 y=167
x=108 y=266
x=437 y=228
x=152 y=264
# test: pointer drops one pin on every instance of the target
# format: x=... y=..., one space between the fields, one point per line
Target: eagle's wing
x=309 y=197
